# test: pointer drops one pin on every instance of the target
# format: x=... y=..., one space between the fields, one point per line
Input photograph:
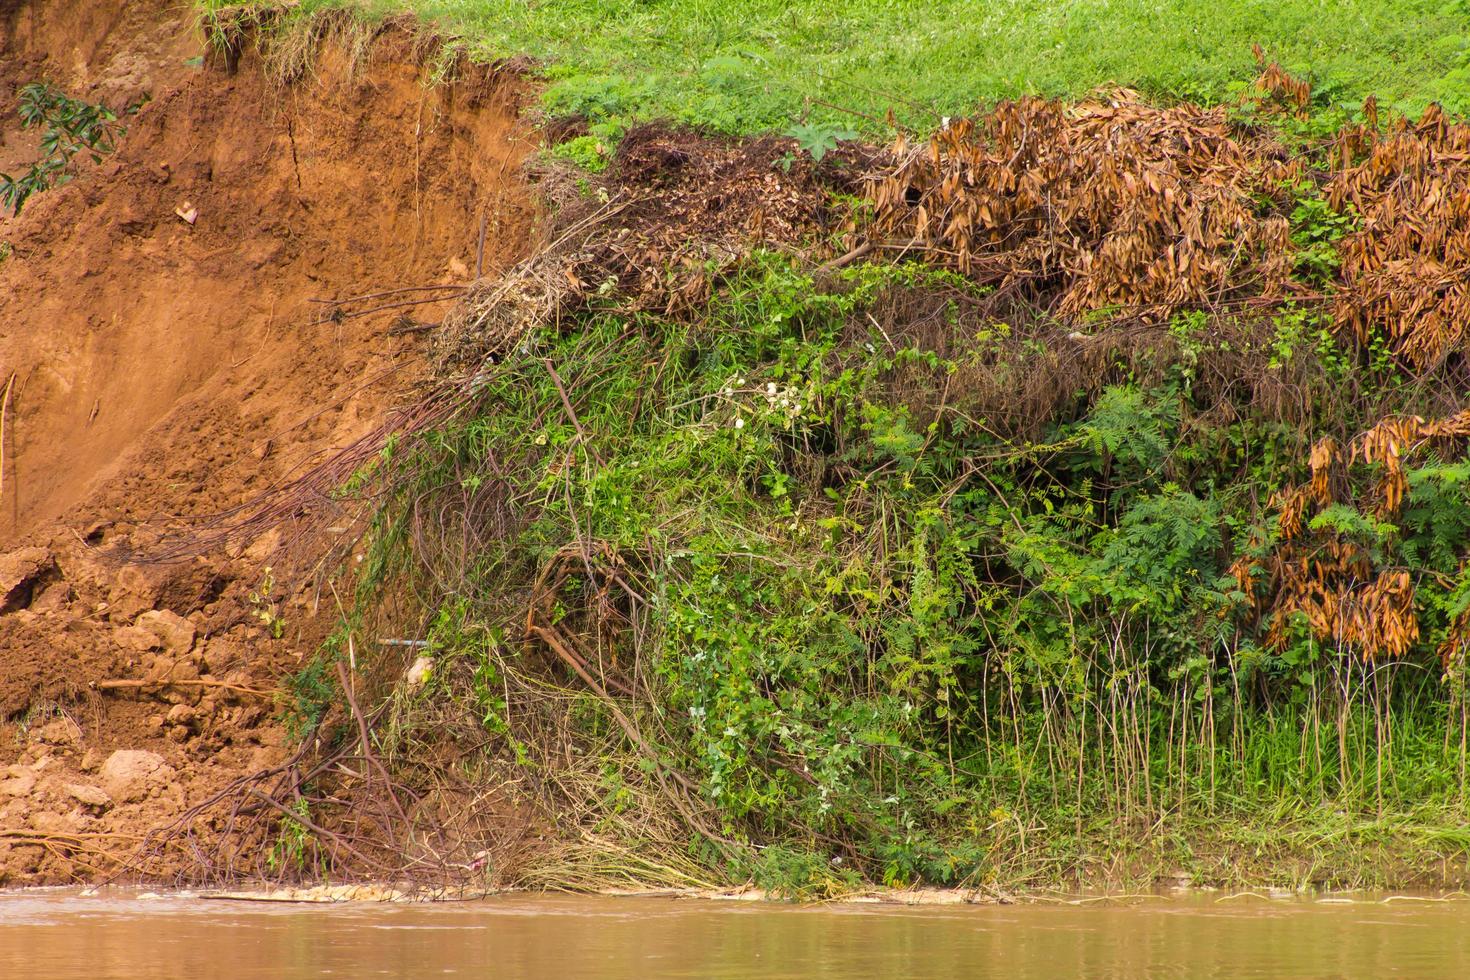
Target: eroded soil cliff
x=161 y=375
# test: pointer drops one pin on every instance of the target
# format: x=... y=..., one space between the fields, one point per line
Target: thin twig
x=4 y=409
x=571 y=412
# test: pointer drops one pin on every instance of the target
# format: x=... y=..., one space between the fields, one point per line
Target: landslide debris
x=163 y=374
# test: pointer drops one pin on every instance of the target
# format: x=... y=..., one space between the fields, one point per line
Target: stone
x=20 y=571
x=87 y=795
x=136 y=638
x=183 y=715
x=130 y=775
x=91 y=760
x=20 y=785
x=176 y=632
x=48 y=822
x=58 y=732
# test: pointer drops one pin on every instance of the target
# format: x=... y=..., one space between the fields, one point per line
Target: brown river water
x=61 y=936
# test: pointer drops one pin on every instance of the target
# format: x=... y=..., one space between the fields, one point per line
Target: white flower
x=770 y=387
x=739 y=423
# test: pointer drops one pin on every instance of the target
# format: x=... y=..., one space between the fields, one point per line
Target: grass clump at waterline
x=756 y=66
x=774 y=582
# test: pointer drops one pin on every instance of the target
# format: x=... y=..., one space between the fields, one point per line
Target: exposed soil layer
x=160 y=372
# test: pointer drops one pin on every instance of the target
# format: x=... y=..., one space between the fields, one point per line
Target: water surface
x=66 y=937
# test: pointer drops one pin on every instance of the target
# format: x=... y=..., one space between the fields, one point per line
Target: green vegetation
x=68 y=127
x=758 y=65
x=865 y=576
x=889 y=630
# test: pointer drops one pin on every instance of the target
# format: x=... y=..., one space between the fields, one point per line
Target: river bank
x=1074 y=494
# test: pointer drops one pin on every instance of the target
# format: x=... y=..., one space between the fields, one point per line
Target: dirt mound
x=160 y=371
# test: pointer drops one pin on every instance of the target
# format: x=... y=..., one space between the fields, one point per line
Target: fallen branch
x=386 y=292
x=337 y=316
x=571 y=412
x=132 y=685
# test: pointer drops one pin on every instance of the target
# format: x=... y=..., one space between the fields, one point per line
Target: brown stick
x=841 y=261
x=627 y=726
x=315 y=828
x=386 y=292
x=367 y=746
x=4 y=409
x=571 y=412
x=131 y=685
x=338 y=316
x=480 y=253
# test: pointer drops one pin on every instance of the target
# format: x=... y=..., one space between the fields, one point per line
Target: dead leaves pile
x=1347 y=599
x=1114 y=206
x=1106 y=205
x=1406 y=271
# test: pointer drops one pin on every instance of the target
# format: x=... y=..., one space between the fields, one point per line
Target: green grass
x=752 y=65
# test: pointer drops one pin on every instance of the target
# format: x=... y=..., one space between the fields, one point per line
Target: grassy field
x=751 y=65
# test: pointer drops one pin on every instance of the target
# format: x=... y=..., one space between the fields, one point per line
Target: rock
x=87 y=795
x=129 y=775
x=136 y=638
x=54 y=823
x=225 y=655
x=176 y=632
x=418 y=675
x=123 y=605
x=20 y=785
x=20 y=571
x=91 y=759
x=183 y=715
x=165 y=670
x=58 y=732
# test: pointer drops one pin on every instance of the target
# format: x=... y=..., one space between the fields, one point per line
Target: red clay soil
x=160 y=372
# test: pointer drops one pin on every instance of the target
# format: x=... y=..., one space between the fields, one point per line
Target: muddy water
x=64 y=937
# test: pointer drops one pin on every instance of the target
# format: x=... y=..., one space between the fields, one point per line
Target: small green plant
x=1315 y=231
x=70 y=126
x=264 y=603
x=292 y=840
x=587 y=152
x=801 y=876
x=308 y=693
x=818 y=140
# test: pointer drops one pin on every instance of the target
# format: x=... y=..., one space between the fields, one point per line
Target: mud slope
x=160 y=370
